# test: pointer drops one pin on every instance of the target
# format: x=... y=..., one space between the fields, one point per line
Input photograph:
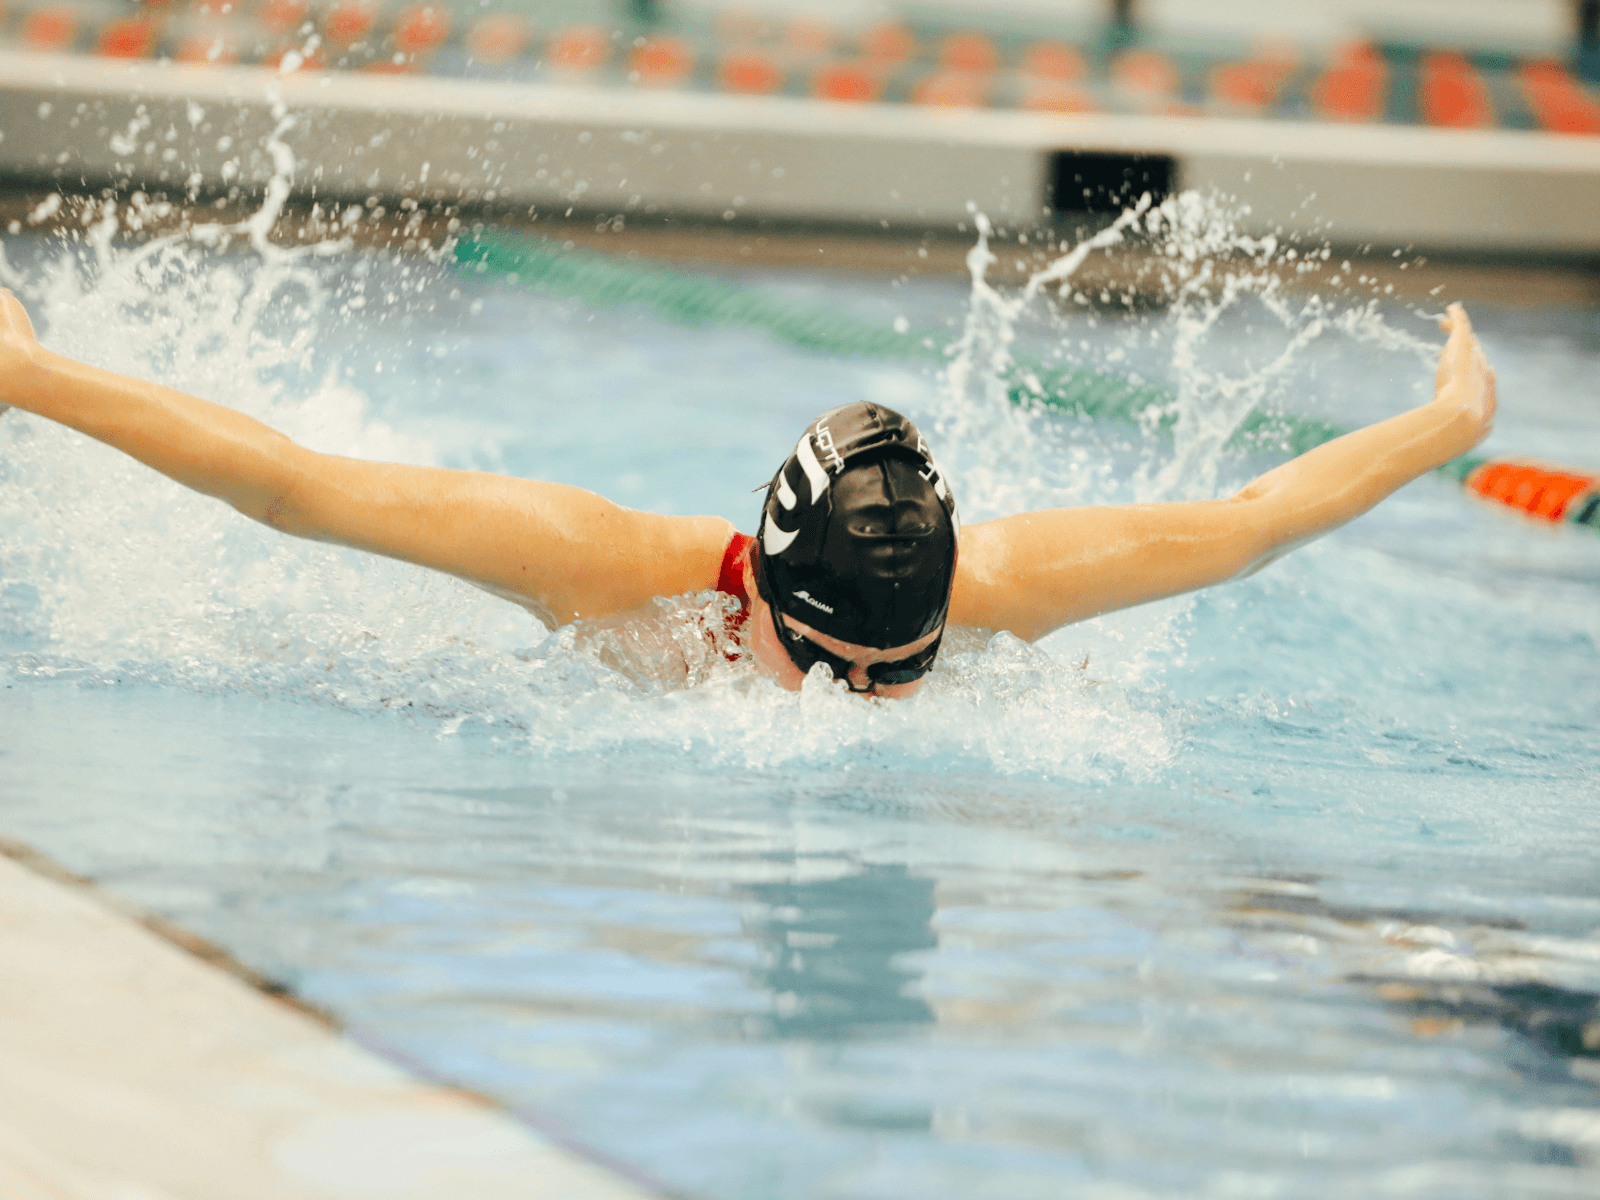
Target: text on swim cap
x=809 y=599
x=825 y=441
x=815 y=475
x=932 y=475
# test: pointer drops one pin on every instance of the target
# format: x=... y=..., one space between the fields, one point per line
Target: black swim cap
x=859 y=532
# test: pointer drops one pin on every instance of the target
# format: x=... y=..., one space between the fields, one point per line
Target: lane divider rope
x=1550 y=494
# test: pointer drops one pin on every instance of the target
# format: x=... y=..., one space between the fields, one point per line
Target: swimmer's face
x=771 y=657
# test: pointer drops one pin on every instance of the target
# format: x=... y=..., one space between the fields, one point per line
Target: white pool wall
x=77 y=122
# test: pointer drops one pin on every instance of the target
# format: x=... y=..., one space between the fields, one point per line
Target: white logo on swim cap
x=775 y=540
x=815 y=475
x=932 y=475
x=807 y=597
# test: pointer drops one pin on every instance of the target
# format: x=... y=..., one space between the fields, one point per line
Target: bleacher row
x=894 y=63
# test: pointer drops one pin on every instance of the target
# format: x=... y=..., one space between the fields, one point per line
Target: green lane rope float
x=1546 y=493
x=677 y=295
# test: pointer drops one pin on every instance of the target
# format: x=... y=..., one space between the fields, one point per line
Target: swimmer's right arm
x=562 y=552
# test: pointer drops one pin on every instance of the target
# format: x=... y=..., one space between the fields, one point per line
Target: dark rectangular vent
x=1083 y=182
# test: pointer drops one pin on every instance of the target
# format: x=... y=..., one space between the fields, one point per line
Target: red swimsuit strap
x=731 y=580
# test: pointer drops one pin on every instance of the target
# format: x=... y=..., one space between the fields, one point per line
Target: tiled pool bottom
x=1299 y=900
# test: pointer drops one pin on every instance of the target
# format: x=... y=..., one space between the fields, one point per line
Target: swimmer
x=859 y=561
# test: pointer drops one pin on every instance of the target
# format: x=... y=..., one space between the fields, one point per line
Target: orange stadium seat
x=852 y=82
x=421 y=28
x=1558 y=103
x=50 y=29
x=1147 y=74
x=1354 y=88
x=663 y=62
x=1451 y=94
x=579 y=49
x=1247 y=86
x=888 y=43
x=968 y=52
x=219 y=46
x=130 y=37
x=498 y=38
x=282 y=16
x=1053 y=60
x=752 y=72
x=349 y=21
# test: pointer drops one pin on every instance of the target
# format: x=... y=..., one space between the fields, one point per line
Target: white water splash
x=1202 y=282
x=1189 y=254
x=126 y=578
x=116 y=575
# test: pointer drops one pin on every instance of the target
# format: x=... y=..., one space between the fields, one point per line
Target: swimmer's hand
x=17 y=341
x=1464 y=386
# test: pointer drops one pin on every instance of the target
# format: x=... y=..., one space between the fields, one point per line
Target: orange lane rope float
x=1547 y=493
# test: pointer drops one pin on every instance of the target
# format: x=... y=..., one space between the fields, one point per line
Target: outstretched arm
x=1035 y=572
x=563 y=552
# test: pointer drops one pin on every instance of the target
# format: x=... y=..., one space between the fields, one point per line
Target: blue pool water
x=1290 y=891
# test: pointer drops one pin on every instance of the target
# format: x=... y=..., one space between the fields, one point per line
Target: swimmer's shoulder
x=981 y=593
x=599 y=559
x=682 y=554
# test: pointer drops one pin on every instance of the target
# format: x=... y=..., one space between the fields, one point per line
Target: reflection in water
x=1289 y=894
x=1555 y=1043
x=835 y=969
x=1562 y=1023
x=1449 y=972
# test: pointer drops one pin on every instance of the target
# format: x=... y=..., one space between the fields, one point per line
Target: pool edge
x=189 y=1072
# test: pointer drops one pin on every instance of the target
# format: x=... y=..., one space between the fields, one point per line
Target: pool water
x=1285 y=889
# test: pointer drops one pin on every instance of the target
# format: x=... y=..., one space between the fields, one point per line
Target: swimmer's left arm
x=1035 y=572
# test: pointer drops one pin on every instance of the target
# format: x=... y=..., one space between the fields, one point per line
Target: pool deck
x=132 y=1070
